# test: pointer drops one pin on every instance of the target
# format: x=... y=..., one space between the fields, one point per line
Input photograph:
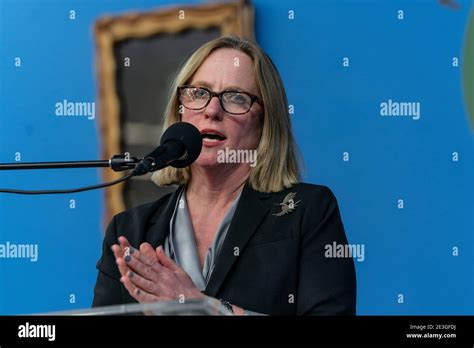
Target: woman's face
x=225 y=69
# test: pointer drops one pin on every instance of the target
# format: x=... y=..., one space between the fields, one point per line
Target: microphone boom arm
x=117 y=163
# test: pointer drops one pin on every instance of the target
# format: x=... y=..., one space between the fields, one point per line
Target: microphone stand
x=117 y=163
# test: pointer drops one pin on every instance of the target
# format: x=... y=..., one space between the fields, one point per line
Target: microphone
x=180 y=146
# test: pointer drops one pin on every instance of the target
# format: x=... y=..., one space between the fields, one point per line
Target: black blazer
x=280 y=267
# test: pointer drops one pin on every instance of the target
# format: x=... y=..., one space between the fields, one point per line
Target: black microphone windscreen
x=189 y=136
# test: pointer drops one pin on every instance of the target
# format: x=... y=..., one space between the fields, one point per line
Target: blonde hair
x=278 y=164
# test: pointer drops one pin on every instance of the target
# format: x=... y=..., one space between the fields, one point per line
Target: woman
x=248 y=234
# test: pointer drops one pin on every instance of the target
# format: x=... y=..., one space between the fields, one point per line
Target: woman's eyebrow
x=233 y=88
x=201 y=84
x=207 y=85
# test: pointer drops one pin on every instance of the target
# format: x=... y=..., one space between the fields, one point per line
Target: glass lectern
x=191 y=307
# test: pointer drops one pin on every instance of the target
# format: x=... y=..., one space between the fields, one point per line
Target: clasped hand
x=150 y=275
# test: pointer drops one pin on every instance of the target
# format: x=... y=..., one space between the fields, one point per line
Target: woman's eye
x=199 y=93
x=237 y=98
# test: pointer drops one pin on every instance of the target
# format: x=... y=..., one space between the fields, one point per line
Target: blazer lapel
x=160 y=221
x=247 y=217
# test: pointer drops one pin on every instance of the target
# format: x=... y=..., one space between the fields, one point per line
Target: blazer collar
x=160 y=221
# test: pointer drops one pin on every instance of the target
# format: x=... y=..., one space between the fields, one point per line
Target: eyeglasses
x=233 y=102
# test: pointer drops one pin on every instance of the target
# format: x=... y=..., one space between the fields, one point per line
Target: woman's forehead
x=227 y=69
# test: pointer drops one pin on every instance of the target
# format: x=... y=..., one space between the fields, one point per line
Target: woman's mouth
x=211 y=137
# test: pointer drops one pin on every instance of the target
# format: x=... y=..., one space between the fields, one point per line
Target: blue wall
x=408 y=251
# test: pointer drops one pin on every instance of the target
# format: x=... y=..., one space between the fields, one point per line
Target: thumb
x=165 y=260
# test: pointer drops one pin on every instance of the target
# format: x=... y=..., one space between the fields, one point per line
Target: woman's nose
x=214 y=109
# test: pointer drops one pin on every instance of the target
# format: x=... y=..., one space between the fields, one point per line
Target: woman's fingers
x=165 y=260
x=123 y=242
x=144 y=265
x=117 y=250
x=140 y=269
x=122 y=266
x=149 y=286
x=148 y=252
x=149 y=275
x=122 y=252
x=119 y=255
x=138 y=294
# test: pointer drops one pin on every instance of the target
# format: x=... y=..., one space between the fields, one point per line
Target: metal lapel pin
x=288 y=204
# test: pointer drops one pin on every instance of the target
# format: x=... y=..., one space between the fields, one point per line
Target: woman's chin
x=208 y=163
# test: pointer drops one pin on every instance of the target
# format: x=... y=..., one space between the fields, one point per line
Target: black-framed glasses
x=233 y=102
